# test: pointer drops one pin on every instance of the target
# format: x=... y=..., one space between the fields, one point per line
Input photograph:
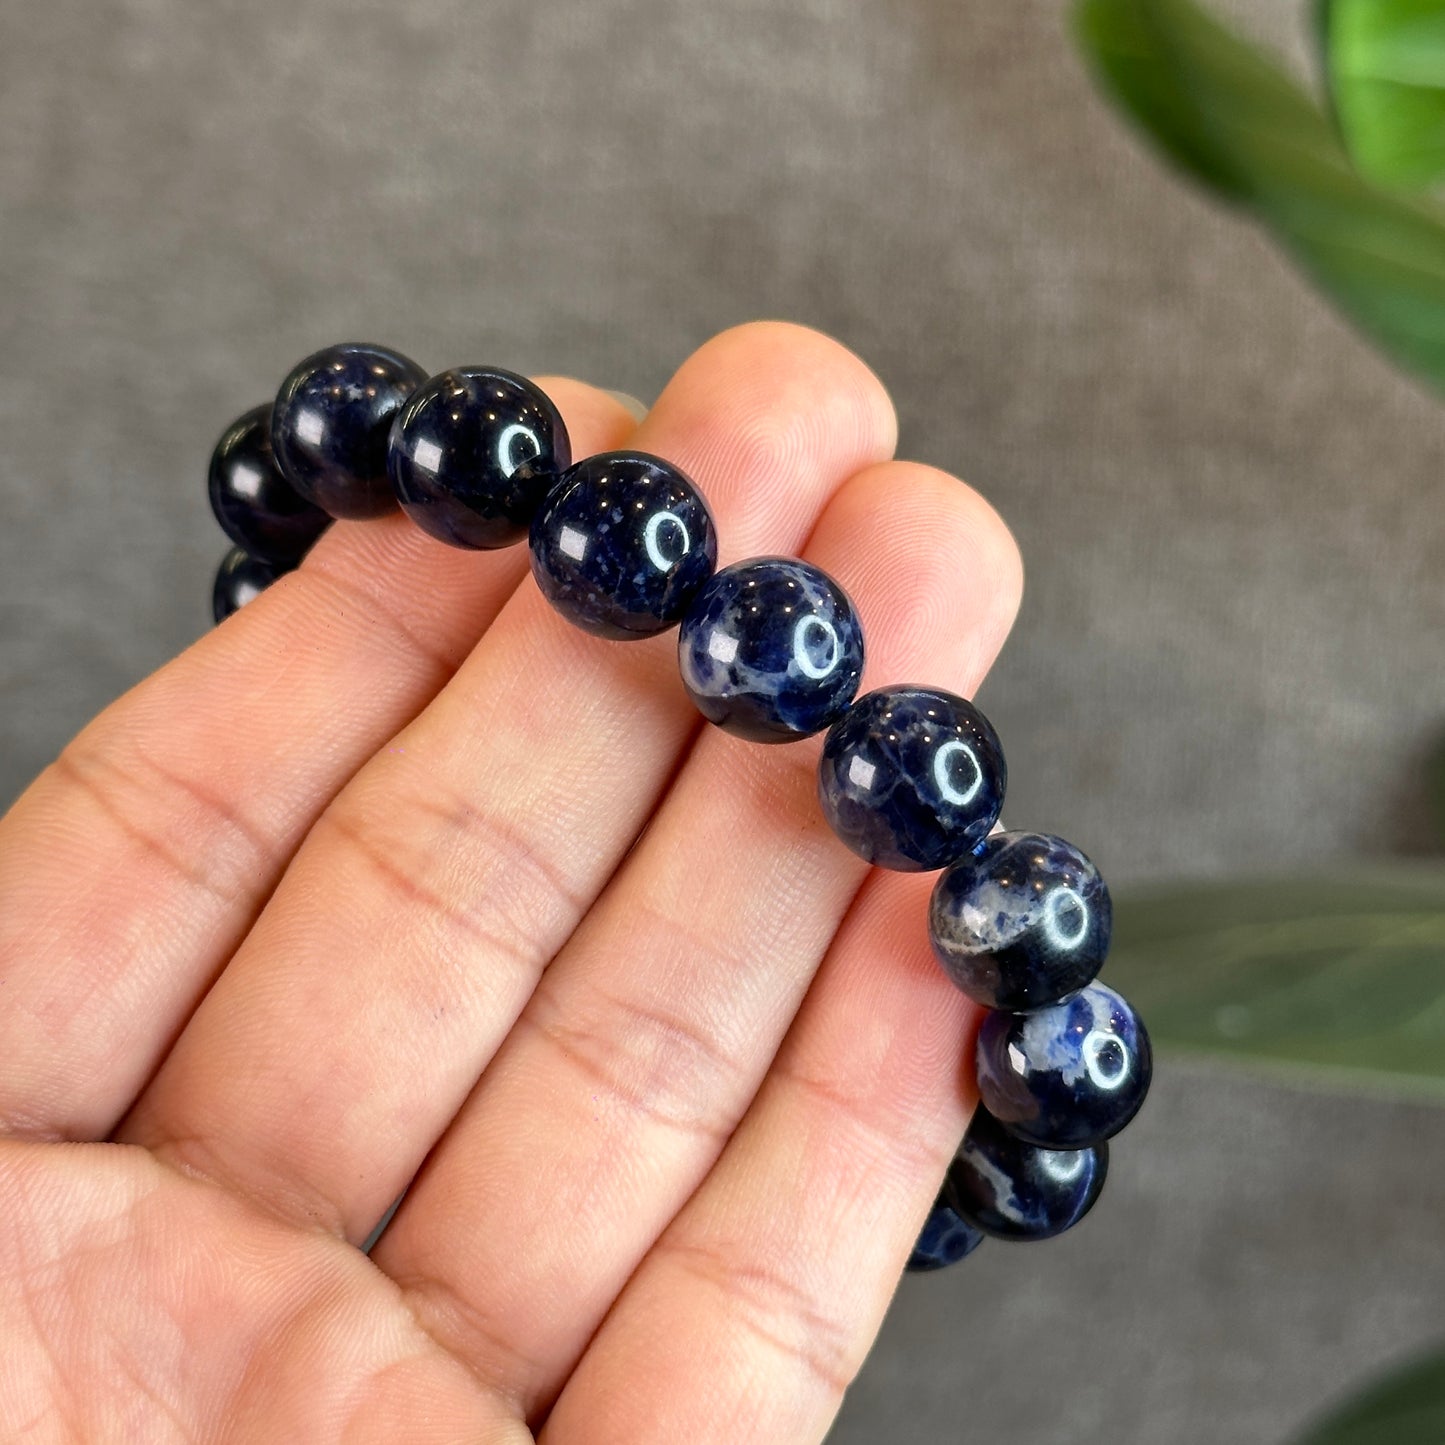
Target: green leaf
x=1342 y=979
x=1385 y=61
x=1233 y=120
x=1406 y=1408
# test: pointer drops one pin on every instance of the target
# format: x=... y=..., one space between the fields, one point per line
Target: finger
x=651 y=1031
x=132 y=867
x=414 y=923
x=754 y=1312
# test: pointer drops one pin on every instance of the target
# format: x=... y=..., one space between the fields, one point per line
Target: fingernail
x=636 y=409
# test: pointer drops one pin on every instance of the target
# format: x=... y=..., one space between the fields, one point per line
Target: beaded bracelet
x=623 y=544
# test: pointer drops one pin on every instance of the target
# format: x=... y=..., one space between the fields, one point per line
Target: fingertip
x=771 y=416
x=635 y=406
x=597 y=420
x=787 y=349
x=938 y=565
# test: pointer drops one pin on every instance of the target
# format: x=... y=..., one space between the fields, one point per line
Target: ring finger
x=649 y=1034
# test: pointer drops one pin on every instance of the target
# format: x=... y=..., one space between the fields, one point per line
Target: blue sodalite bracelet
x=771 y=649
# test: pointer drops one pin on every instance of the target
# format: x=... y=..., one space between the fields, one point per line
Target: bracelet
x=911 y=777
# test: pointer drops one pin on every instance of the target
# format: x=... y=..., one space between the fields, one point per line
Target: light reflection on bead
x=682 y=540
x=803 y=658
x=1056 y=931
x=943 y=762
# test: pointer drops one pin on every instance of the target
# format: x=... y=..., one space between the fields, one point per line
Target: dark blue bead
x=239 y=579
x=1066 y=1076
x=1022 y=922
x=622 y=544
x=912 y=777
x=472 y=454
x=258 y=509
x=1013 y=1190
x=944 y=1239
x=330 y=424
x=771 y=649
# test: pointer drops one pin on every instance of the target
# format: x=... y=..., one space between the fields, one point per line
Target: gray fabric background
x=1230 y=656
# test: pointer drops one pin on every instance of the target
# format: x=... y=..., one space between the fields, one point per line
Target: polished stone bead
x=1021 y=922
x=330 y=424
x=944 y=1239
x=622 y=544
x=472 y=454
x=258 y=509
x=771 y=649
x=240 y=579
x=1013 y=1190
x=912 y=777
x=1066 y=1076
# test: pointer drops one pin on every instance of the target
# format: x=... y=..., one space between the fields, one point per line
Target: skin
x=396 y=881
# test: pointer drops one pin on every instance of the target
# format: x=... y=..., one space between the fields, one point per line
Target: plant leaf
x=1341 y=978
x=1234 y=121
x=1385 y=62
x=1407 y=1407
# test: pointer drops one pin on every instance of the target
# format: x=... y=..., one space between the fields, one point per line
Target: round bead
x=240 y=579
x=330 y=424
x=258 y=509
x=1066 y=1076
x=1013 y=1190
x=622 y=544
x=1022 y=922
x=771 y=649
x=472 y=454
x=912 y=777
x=944 y=1239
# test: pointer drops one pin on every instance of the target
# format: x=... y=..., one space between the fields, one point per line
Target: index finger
x=134 y=865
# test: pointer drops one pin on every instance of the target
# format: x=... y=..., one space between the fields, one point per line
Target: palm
x=142 y=1305
x=398 y=882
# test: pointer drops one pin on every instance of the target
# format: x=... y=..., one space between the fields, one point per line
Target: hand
x=397 y=881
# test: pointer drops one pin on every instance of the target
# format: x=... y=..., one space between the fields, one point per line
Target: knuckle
x=771 y=1304
x=194 y=831
x=499 y=900
x=664 y=1066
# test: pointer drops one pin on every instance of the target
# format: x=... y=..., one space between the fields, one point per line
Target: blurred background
x=1231 y=656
